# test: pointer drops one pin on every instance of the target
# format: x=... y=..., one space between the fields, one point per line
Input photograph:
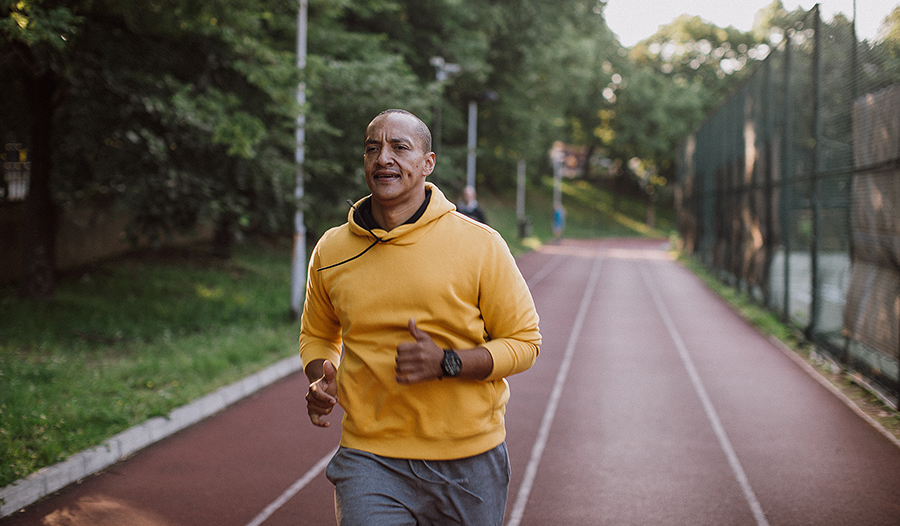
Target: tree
x=35 y=45
x=690 y=50
x=179 y=110
x=546 y=64
x=880 y=60
x=670 y=82
x=354 y=71
x=185 y=137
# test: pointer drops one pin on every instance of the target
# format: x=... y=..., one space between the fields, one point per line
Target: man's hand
x=322 y=395
x=420 y=360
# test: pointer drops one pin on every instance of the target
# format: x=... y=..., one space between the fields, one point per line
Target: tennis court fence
x=790 y=191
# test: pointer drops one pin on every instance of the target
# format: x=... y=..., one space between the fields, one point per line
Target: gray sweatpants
x=370 y=490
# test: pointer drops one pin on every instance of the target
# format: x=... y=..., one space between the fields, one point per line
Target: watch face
x=451 y=364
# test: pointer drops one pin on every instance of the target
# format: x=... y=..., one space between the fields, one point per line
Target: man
x=469 y=205
x=431 y=314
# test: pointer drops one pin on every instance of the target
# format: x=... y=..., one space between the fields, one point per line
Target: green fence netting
x=791 y=191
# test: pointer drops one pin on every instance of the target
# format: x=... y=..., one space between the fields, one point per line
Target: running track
x=651 y=403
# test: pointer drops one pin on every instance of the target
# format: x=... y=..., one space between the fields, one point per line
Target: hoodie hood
x=405 y=234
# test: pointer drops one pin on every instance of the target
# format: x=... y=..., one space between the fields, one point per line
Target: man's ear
x=428 y=164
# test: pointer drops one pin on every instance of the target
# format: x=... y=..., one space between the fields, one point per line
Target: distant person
x=469 y=205
x=414 y=317
x=559 y=222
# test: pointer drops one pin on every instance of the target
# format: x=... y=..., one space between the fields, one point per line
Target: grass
x=590 y=213
x=130 y=339
x=133 y=338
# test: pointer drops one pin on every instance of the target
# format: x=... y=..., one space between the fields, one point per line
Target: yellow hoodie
x=457 y=279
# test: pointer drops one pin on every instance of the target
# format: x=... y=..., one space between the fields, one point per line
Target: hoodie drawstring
x=364 y=225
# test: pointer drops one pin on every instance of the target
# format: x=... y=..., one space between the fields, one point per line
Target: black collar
x=367 y=220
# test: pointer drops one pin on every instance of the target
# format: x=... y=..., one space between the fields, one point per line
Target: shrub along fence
x=790 y=191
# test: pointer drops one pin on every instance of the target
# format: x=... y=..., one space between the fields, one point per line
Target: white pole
x=470 y=168
x=520 y=199
x=520 y=190
x=557 y=183
x=298 y=264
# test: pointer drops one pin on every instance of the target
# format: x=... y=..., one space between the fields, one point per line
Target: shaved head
x=421 y=129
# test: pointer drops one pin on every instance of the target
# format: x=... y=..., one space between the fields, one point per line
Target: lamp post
x=473 y=133
x=521 y=218
x=298 y=260
x=472 y=142
x=443 y=70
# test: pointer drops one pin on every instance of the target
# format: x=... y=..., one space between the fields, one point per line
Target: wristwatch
x=451 y=365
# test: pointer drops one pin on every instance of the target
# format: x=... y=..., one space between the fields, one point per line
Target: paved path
x=652 y=403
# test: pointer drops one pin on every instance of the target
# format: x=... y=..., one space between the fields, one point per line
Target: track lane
x=525 y=486
x=631 y=444
x=630 y=441
x=636 y=443
x=809 y=457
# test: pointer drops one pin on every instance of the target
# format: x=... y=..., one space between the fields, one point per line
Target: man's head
x=469 y=194
x=421 y=129
x=398 y=157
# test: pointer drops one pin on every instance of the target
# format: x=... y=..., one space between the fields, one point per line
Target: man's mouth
x=386 y=176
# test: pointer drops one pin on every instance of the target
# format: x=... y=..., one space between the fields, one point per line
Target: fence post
x=768 y=192
x=854 y=93
x=786 y=179
x=816 y=182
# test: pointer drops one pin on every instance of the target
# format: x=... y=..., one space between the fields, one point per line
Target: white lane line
x=518 y=510
x=312 y=473
x=708 y=407
x=292 y=490
x=297 y=486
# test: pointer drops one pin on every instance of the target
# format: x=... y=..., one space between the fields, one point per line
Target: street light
x=443 y=70
x=473 y=133
x=298 y=258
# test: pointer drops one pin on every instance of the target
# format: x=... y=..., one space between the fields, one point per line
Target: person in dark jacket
x=469 y=205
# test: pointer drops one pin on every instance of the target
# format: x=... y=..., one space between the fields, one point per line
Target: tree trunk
x=39 y=235
x=223 y=239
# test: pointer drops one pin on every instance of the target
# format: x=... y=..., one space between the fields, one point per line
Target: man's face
x=395 y=163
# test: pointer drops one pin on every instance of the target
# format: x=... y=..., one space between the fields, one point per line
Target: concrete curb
x=48 y=480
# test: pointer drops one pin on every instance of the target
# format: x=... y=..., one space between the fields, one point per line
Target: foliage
x=880 y=60
x=119 y=109
x=176 y=137
x=890 y=29
x=183 y=111
x=676 y=76
x=182 y=136
x=546 y=66
x=353 y=73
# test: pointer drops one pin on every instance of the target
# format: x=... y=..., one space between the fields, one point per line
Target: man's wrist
x=314 y=369
x=451 y=364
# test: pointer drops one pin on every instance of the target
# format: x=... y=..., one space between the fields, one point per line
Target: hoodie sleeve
x=320 y=329
x=510 y=317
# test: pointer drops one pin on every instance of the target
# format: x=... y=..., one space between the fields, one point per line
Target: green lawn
x=590 y=213
x=136 y=337
x=131 y=339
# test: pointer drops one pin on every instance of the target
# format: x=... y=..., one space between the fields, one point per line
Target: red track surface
x=651 y=403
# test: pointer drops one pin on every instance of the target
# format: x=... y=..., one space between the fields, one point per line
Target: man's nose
x=384 y=157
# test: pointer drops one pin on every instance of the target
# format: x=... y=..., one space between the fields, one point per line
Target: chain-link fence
x=791 y=191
